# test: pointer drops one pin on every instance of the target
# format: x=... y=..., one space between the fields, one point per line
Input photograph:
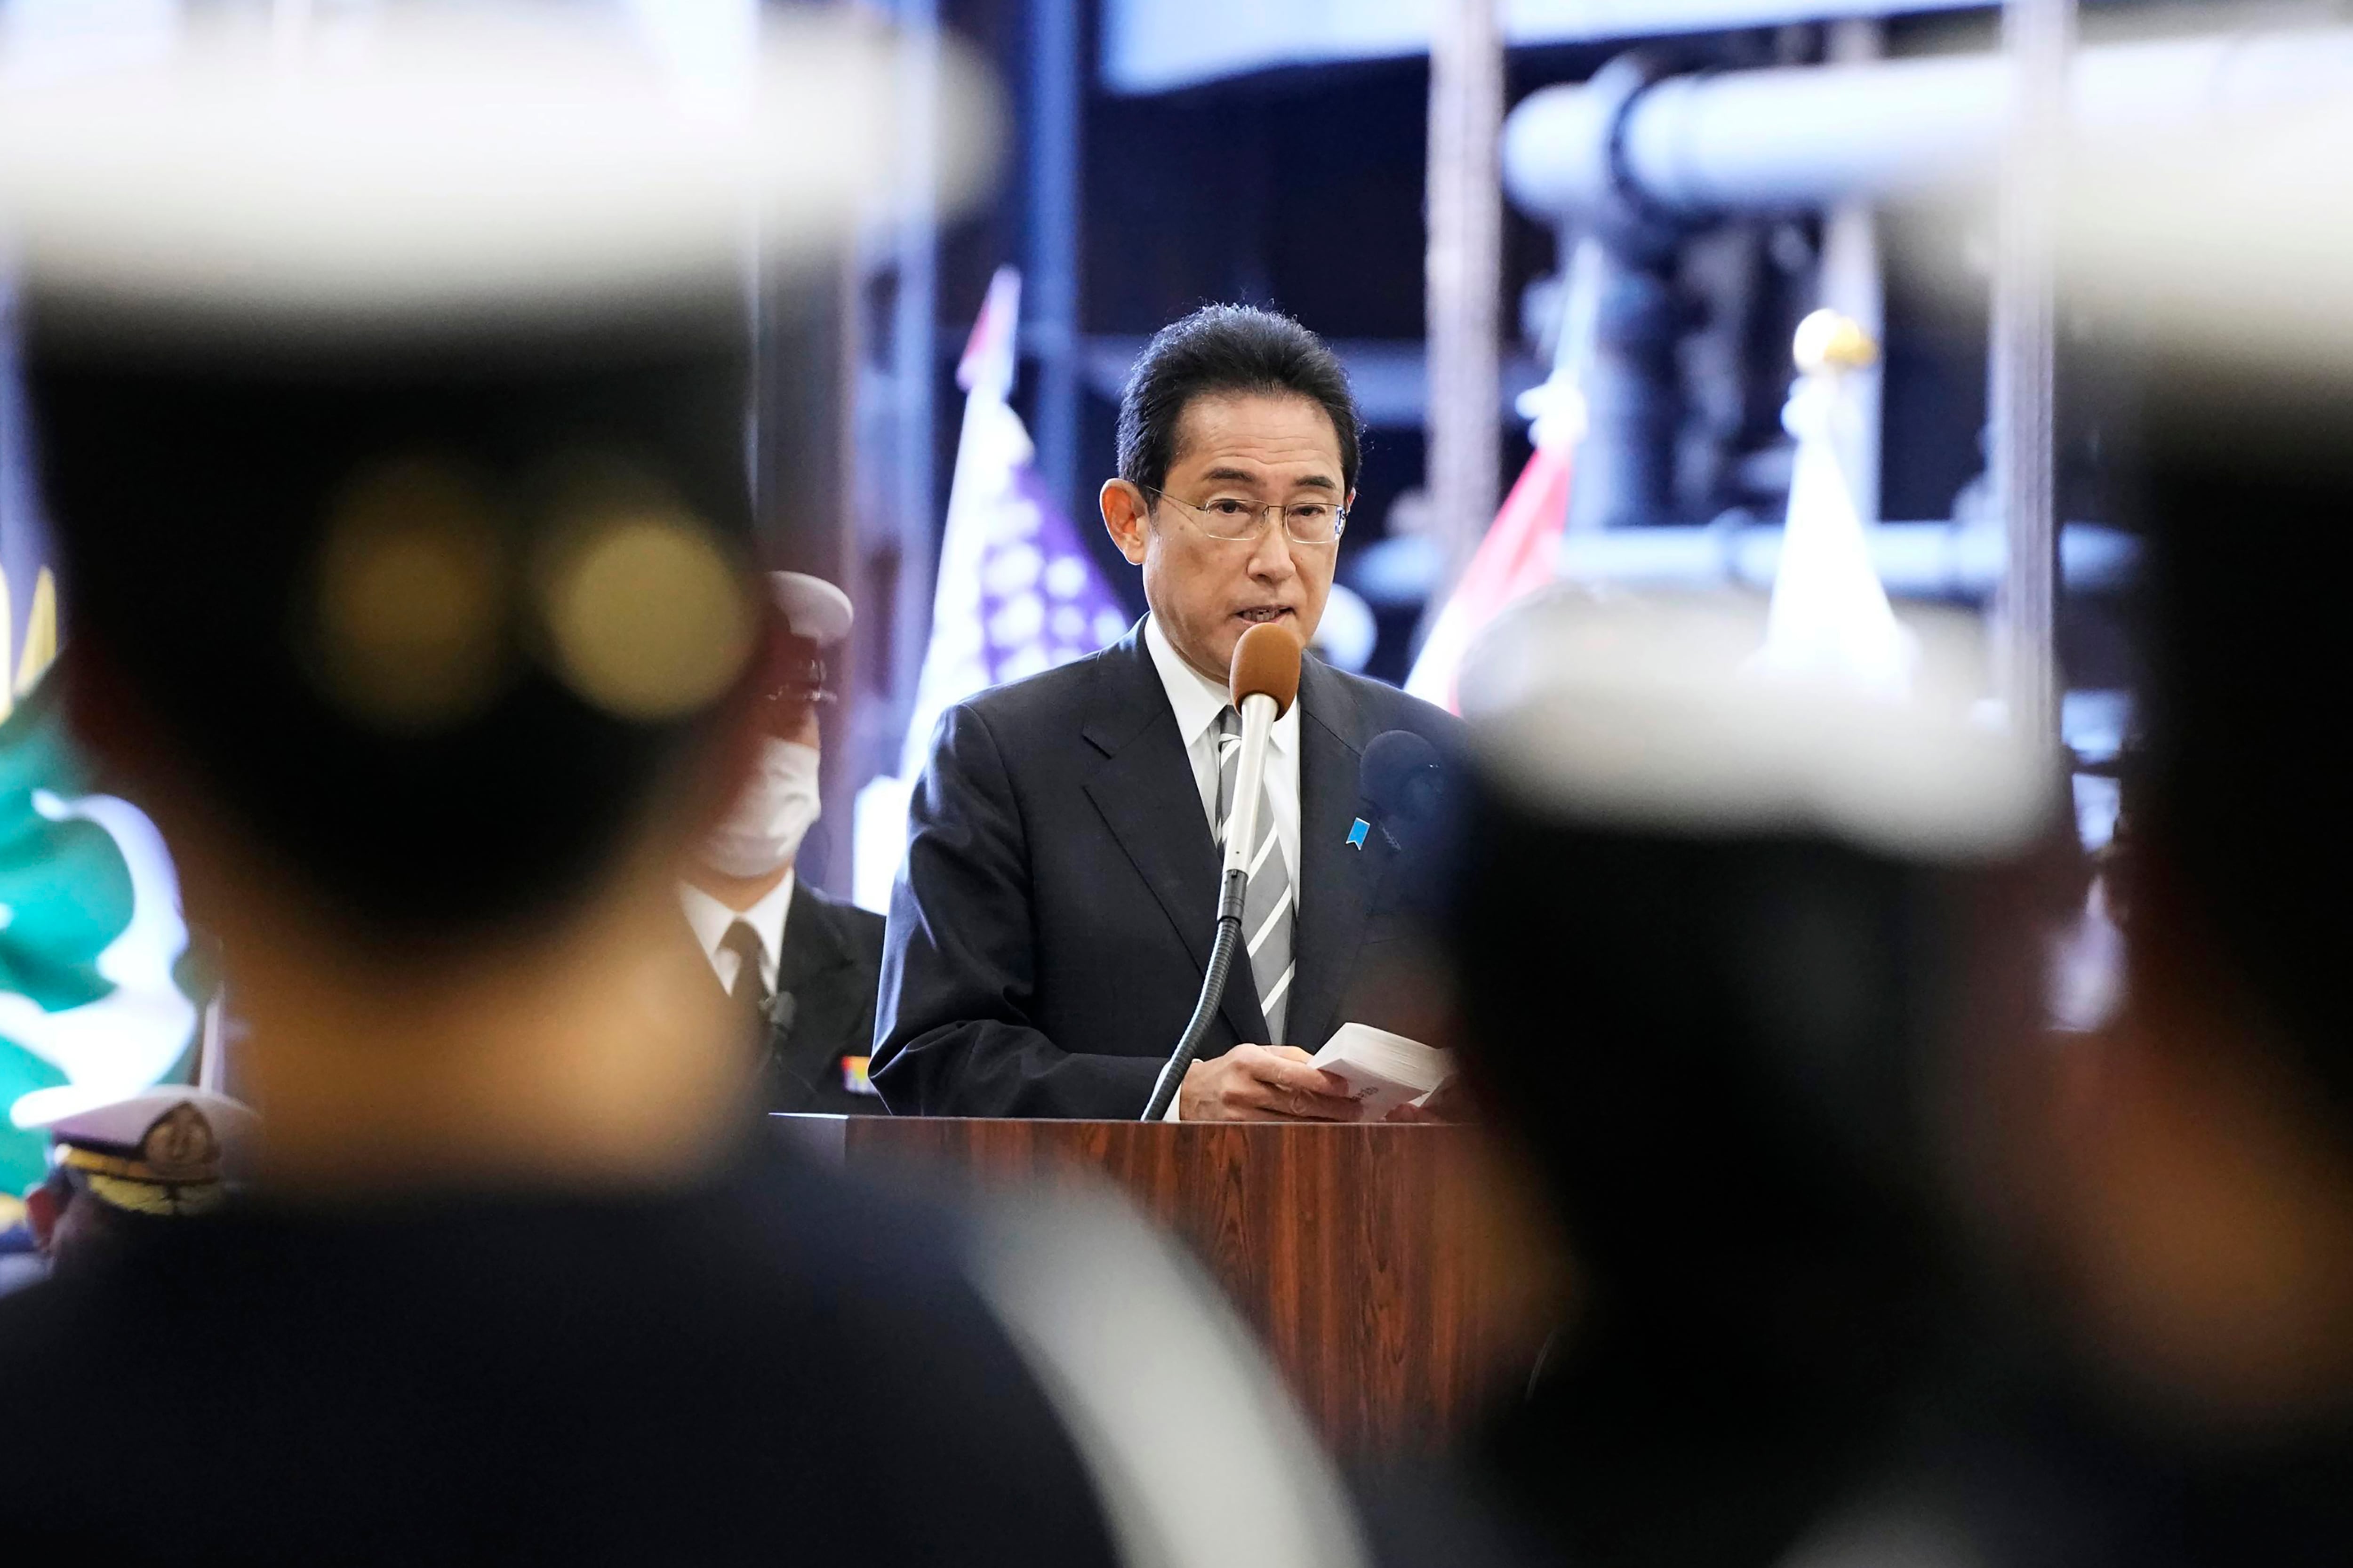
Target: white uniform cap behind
x=2234 y=249
x=813 y=607
x=1655 y=714
x=122 y=1123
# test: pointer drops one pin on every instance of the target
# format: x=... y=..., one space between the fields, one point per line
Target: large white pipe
x=1804 y=137
x=1914 y=560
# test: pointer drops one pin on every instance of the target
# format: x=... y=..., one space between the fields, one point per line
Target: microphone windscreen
x=1401 y=775
x=1266 y=664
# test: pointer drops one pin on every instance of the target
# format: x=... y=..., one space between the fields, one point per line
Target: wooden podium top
x=1391 y=1272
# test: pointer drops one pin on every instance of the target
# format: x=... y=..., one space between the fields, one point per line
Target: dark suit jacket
x=1050 y=930
x=831 y=961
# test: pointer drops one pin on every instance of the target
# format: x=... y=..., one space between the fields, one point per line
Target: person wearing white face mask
x=804 y=965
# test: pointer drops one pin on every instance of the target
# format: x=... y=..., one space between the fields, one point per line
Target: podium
x=1388 y=1269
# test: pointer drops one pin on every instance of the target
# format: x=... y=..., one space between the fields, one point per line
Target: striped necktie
x=1268 y=907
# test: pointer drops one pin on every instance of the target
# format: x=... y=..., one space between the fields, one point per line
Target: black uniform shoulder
x=688 y=1375
x=1380 y=706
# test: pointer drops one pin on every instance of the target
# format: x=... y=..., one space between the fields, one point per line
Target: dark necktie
x=750 y=992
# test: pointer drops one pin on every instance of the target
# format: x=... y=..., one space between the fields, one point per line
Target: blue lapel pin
x=1356 y=831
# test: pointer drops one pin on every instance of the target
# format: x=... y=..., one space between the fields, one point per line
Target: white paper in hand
x=1383 y=1070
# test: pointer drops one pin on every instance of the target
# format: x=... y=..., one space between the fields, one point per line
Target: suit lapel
x=1336 y=879
x=813 y=941
x=808 y=970
x=1144 y=790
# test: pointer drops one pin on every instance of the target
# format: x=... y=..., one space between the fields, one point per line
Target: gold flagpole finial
x=1829 y=341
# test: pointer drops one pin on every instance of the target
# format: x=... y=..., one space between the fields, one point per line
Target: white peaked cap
x=813 y=607
x=121 y=1123
x=2234 y=249
x=427 y=167
x=1655 y=714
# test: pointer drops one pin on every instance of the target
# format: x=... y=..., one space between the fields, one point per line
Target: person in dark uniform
x=2169 y=1196
x=1715 y=933
x=802 y=963
x=120 y=1169
x=409 y=573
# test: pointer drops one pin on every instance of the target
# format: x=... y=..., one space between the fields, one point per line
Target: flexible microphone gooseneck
x=1263 y=684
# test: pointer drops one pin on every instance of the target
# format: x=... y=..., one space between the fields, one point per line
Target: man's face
x=791 y=685
x=1263 y=449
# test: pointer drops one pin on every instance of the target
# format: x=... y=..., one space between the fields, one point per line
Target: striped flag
x=1515 y=558
x=1830 y=616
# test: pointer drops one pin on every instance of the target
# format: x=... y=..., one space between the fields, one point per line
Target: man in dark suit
x=1051 y=927
x=801 y=965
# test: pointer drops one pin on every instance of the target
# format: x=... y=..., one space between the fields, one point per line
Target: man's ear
x=1123 y=515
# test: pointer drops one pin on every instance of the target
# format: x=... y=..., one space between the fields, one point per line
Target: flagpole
x=1463 y=276
x=2038 y=38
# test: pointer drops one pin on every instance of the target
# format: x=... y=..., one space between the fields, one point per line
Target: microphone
x=1262 y=685
x=1409 y=785
x=1404 y=781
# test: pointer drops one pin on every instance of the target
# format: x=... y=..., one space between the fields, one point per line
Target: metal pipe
x=1914 y=560
x=1625 y=464
x=1804 y=137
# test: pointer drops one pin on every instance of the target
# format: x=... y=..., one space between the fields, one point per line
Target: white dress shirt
x=1197 y=701
x=712 y=920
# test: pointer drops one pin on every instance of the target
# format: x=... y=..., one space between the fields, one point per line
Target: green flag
x=93 y=1005
x=91 y=937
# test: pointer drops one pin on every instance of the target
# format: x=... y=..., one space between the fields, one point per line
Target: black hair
x=1228 y=349
x=190 y=492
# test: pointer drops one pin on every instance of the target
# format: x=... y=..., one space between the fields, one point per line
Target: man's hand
x=1263 y=1083
x=1451 y=1102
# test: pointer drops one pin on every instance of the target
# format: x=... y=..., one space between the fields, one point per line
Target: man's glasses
x=1231 y=517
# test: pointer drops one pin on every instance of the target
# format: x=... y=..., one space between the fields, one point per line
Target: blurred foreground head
x=390 y=409
x=1719 y=928
x=2223 y=275
x=2186 y=1195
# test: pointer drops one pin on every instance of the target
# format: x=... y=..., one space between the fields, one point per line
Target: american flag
x=1016 y=591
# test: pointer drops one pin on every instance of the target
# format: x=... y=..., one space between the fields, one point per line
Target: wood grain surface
x=1391 y=1271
